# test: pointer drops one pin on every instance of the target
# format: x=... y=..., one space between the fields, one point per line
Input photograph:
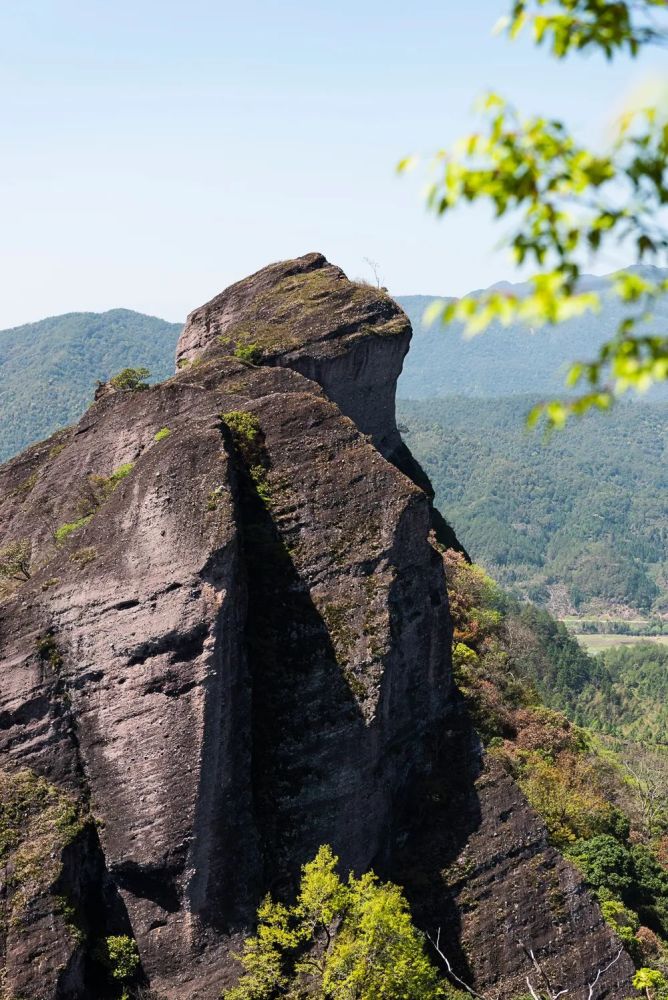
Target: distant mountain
x=48 y=369
x=513 y=360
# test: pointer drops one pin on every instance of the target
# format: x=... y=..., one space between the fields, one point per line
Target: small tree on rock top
x=130 y=379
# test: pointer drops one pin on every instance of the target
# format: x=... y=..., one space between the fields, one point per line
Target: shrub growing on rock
x=652 y=983
x=130 y=379
x=250 y=353
x=249 y=440
x=119 y=955
x=37 y=821
x=15 y=560
x=98 y=489
x=62 y=533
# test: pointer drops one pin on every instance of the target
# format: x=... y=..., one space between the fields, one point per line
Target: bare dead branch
x=550 y=993
x=541 y=972
x=601 y=972
x=532 y=990
x=375 y=267
x=453 y=975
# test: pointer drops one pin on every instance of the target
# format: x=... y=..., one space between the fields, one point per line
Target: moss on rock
x=37 y=822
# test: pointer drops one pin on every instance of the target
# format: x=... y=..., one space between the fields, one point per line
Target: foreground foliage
x=349 y=940
x=566 y=202
x=514 y=359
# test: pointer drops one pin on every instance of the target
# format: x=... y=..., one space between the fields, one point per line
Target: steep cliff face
x=232 y=645
x=477 y=866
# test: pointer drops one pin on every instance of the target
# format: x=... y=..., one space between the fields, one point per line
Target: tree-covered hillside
x=603 y=798
x=48 y=369
x=635 y=705
x=577 y=522
x=621 y=692
x=506 y=361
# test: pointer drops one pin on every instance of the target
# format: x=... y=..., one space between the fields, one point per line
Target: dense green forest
x=634 y=704
x=48 y=369
x=576 y=522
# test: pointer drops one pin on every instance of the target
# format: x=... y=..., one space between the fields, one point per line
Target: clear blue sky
x=153 y=152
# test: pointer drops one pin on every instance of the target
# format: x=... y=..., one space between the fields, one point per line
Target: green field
x=595 y=643
x=570 y=620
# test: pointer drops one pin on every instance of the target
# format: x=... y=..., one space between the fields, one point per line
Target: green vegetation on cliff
x=37 y=822
x=606 y=814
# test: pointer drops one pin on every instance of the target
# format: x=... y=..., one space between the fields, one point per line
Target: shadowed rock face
x=502 y=890
x=240 y=647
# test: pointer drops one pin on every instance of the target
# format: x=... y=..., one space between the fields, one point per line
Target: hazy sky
x=153 y=152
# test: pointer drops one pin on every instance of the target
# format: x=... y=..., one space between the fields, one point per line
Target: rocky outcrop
x=349 y=337
x=304 y=314
x=234 y=642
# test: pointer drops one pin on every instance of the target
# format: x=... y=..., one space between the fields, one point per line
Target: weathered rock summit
x=229 y=644
x=305 y=315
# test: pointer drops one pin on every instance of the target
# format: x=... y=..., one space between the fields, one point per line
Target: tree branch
x=453 y=975
x=602 y=972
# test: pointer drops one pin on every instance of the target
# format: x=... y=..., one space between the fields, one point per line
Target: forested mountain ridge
x=48 y=369
x=577 y=521
x=515 y=359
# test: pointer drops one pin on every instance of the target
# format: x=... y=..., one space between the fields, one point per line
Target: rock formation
x=233 y=645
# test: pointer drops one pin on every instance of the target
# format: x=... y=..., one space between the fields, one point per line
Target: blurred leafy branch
x=567 y=204
x=607 y=25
